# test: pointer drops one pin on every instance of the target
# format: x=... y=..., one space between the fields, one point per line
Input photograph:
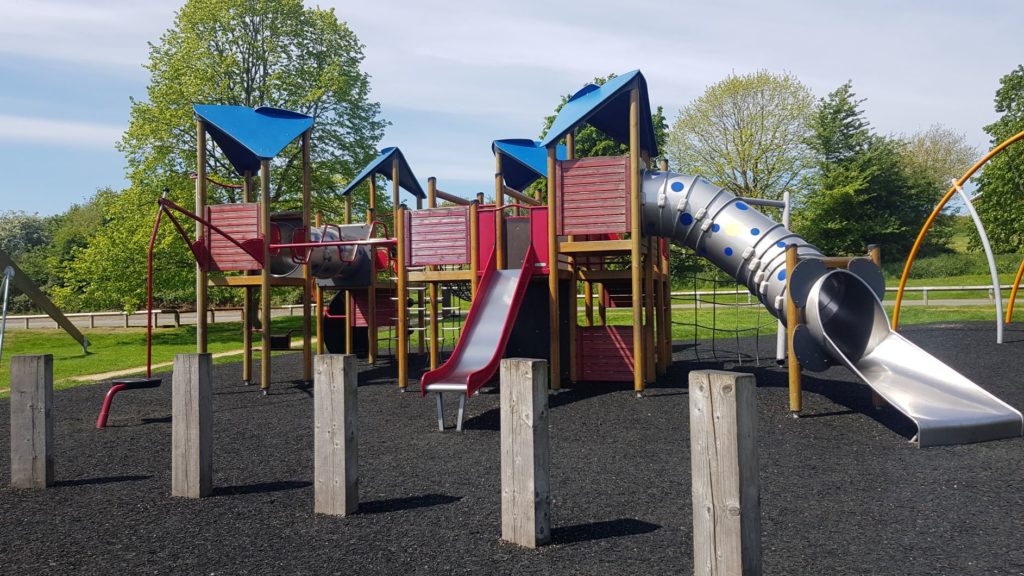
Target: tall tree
x=242 y=52
x=746 y=133
x=861 y=190
x=1001 y=183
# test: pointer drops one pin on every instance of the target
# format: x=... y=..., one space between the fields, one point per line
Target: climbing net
x=723 y=312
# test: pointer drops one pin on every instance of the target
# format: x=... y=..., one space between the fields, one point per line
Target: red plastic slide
x=485 y=334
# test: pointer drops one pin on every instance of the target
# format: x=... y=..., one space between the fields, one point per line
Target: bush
x=953 y=265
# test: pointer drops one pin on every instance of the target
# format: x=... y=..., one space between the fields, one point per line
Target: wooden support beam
x=525 y=453
x=435 y=320
x=724 y=474
x=307 y=324
x=459 y=200
x=31 y=406
x=522 y=198
x=793 y=318
x=40 y=299
x=265 y=279
x=192 y=426
x=335 y=440
x=248 y=310
x=553 y=250
x=401 y=294
x=499 y=216
x=474 y=249
x=636 y=277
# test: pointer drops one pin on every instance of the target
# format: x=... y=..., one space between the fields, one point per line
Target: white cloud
x=104 y=33
x=59 y=133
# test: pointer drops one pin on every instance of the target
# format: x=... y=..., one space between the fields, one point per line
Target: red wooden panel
x=539 y=234
x=485 y=236
x=241 y=222
x=386 y=311
x=593 y=195
x=437 y=236
x=604 y=353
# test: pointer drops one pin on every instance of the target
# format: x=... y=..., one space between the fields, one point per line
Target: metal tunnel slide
x=846 y=323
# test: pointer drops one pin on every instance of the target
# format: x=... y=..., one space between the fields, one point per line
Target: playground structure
x=605 y=225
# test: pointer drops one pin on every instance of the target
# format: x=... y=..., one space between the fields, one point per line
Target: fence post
x=192 y=426
x=32 y=421
x=525 y=454
x=335 y=438
x=724 y=472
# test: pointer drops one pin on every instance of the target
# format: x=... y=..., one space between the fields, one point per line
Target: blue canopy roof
x=382 y=165
x=529 y=161
x=248 y=136
x=606 y=108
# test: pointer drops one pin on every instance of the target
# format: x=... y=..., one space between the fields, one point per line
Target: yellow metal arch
x=931 y=218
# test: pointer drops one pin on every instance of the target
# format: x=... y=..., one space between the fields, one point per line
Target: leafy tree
x=241 y=52
x=861 y=190
x=939 y=154
x=20 y=231
x=746 y=133
x=1001 y=183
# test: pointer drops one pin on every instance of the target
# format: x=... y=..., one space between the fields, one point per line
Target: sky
x=453 y=75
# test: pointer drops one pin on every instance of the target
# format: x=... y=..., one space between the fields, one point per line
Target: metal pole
x=8 y=274
x=991 y=260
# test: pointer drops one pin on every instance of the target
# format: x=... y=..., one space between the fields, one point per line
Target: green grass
x=124 y=348
x=113 y=349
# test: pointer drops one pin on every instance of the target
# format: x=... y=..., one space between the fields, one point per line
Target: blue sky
x=452 y=75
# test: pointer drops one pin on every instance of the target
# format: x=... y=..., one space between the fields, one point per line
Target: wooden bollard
x=32 y=421
x=335 y=440
x=724 y=472
x=525 y=454
x=192 y=426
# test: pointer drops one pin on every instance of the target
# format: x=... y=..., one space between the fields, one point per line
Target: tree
x=862 y=190
x=242 y=52
x=938 y=154
x=20 y=231
x=1001 y=183
x=747 y=134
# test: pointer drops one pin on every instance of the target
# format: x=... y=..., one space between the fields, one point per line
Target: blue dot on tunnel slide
x=677 y=186
x=780 y=244
x=741 y=206
x=685 y=219
x=715 y=227
x=782 y=275
x=728 y=251
x=755 y=231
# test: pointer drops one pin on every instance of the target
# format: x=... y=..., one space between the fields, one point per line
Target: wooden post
x=724 y=474
x=420 y=332
x=480 y=198
x=307 y=286
x=335 y=440
x=402 y=330
x=525 y=453
x=432 y=287
x=650 y=355
x=201 y=288
x=574 y=303
x=192 y=426
x=371 y=290
x=320 y=346
x=265 y=319
x=474 y=249
x=793 y=318
x=247 y=293
x=553 y=317
x=499 y=216
x=32 y=421
x=636 y=270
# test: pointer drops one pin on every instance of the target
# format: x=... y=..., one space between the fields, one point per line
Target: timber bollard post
x=525 y=453
x=192 y=426
x=335 y=438
x=32 y=421
x=724 y=472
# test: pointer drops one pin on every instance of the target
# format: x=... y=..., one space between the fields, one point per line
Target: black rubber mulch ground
x=843 y=492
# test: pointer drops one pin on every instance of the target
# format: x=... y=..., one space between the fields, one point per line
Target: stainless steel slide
x=846 y=323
